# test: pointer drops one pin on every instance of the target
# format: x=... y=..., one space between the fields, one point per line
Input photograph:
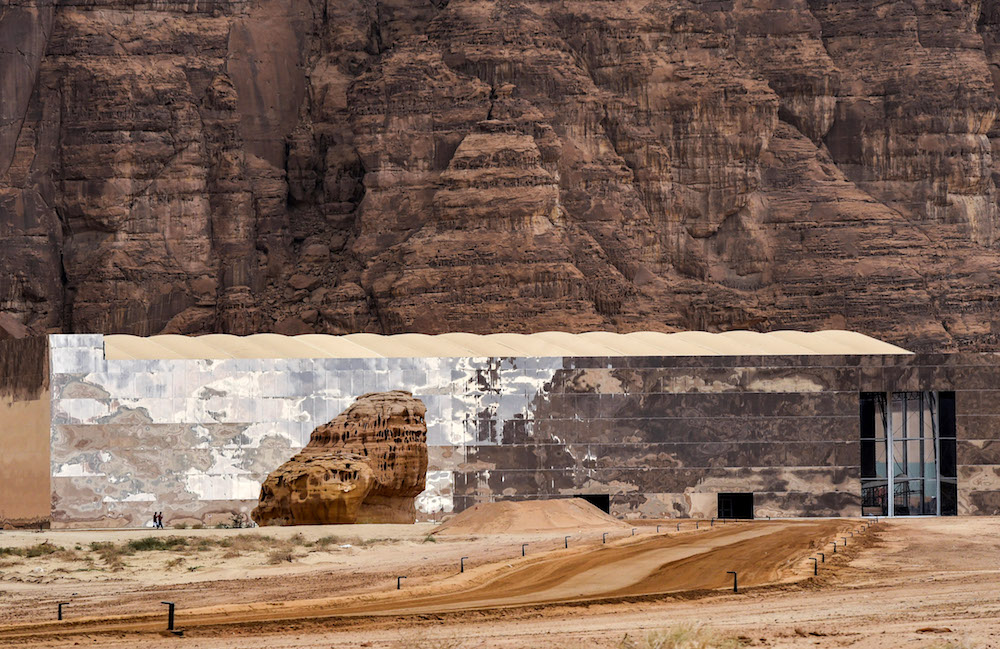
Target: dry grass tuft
x=151 y=543
x=249 y=543
x=67 y=555
x=422 y=639
x=952 y=644
x=112 y=555
x=682 y=636
x=42 y=549
x=174 y=563
x=280 y=556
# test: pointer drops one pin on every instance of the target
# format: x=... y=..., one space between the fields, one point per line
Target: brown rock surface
x=365 y=466
x=501 y=165
x=318 y=489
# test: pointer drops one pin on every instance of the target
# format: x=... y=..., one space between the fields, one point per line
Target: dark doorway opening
x=601 y=501
x=736 y=505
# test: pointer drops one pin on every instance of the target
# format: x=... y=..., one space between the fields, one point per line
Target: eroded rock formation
x=366 y=466
x=501 y=165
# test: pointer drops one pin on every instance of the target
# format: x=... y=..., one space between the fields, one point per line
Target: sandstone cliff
x=365 y=466
x=501 y=165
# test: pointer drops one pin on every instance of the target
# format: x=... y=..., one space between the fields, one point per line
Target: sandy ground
x=915 y=583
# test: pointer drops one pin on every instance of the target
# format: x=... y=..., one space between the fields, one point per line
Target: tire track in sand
x=761 y=552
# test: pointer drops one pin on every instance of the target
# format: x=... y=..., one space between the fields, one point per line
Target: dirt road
x=643 y=566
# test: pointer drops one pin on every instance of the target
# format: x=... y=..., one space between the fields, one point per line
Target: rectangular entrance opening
x=736 y=505
x=601 y=501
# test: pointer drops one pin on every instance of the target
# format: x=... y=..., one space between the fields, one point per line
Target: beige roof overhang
x=466 y=345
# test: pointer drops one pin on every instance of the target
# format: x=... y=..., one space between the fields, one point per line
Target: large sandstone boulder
x=365 y=466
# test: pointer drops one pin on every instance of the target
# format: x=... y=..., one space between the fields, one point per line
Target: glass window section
x=919 y=425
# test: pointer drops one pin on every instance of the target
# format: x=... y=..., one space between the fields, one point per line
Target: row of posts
x=822 y=555
x=604 y=539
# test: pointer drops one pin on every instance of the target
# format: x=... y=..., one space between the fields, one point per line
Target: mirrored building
x=104 y=430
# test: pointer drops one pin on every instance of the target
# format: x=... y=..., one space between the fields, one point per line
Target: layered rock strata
x=365 y=466
x=501 y=165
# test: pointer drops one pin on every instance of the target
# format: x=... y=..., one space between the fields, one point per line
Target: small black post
x=768 y=518
x=822 y=555
x=604 y=538
x=523 y=545
x=399 y=582
x=730 y=572
x=462 y=561
x=712 y=524
x=834 y=546
x=815 y=565
x=170 y=615
x=696 y=525
x=657 y=529
x=678 y=527
x=61 y=604
x=566 y=542
x=844 y=539
x=633 y=531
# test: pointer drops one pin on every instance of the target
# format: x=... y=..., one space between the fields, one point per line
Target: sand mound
x=508 y=517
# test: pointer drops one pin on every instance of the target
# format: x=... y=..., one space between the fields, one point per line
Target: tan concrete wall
x=24 y=461
x=25 y=422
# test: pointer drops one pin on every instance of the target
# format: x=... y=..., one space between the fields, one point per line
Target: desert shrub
x=180 y=526
x=422 y=639
x=249 y=542
x=365 y=543
x=12 y=552
x=231 y=554
x=112 y=555
x=175 y=562
x=204 y=545
x=198 y=526
x=66 y=555
x=430 y=539
x=681 y=636
x=151 y=543
x=280 y=556
x=326 y=541
x=42 y=549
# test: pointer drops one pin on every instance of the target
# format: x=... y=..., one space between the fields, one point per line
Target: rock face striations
x=501 y=165
x=365 y=466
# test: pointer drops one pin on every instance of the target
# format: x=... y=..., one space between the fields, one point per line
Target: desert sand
x=509 y=517
x=921 y=583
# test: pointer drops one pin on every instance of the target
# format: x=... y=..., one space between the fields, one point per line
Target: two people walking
x=158 y=520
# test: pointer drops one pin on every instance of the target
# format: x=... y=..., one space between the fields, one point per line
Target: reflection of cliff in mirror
x=366 y=466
